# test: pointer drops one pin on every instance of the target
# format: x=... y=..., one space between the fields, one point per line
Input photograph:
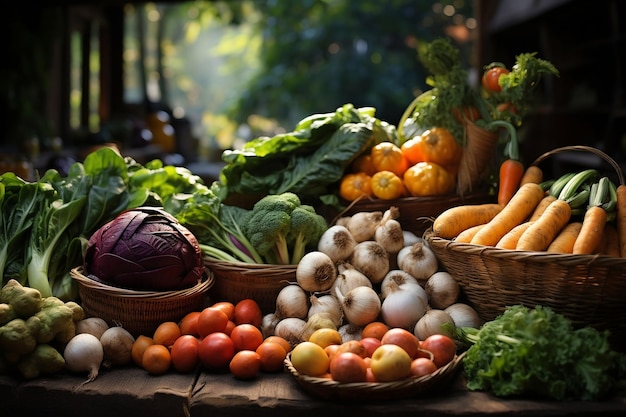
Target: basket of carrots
x=559 y=243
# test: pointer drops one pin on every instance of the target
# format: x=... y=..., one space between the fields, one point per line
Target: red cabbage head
x=144 y=249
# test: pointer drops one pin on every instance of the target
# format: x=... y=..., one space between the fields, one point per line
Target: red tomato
x=248 y=311
x=211 y=320
x=348 y=367
x=246 y=364
x=441 y=346
x=422 y=366
x=185 y=355
x=491 y=77
x=403 y=338
x=246 y=337
x=216 y=351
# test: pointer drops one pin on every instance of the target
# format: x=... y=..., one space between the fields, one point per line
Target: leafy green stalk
x=50 y=223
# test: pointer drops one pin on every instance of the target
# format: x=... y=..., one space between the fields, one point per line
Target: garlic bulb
x=394 y=279
x=349 y=277
x=350 y=331
x=463 y=315
x=292 y=301
x=363 y=224
x=403 y=308
x=315 y=322
x=389 y=232
x=268 y=324
x=337 y=242
x=290 y=329
x=442 y=290
x=326 y=304
x=316 y=271
x=419 y=260
x=435 y=321
x=360 y=306
x=371 y=259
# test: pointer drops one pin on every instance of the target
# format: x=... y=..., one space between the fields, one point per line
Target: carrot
x=511 y=172
x=532 y=174
x=458 y=218
x=564 y=241
x=591 y=232
x=515 y=212
x=543 y=230
x=620 y=219
x=466 y=235
x=509 y=240
x=541 y=207
x=610 y=243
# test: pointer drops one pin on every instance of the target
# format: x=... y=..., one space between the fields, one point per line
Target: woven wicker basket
x=428 y=385
x=416 y=213
x=235 y=281
x=139 y=312
x=588 y=289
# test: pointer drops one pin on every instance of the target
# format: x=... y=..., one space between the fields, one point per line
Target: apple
x=370 y=343
x=390 y=363
x=441 y=346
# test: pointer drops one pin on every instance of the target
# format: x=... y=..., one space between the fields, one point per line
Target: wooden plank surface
x=132 y=392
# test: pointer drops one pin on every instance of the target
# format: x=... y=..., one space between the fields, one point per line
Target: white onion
x=442 y=290
x=394 y=279
x=316 y=271
x=418 y=260
x=371 y=259
x=84 y=353
x=117 y=344
x=403 y=308
x=92 y=325
x=360 y=306
x=337 y=242
x=463 y=315
x=292 y=301
x=433 y=323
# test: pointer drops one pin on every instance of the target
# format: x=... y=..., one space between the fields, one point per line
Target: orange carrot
x=509 y=240
x=591 y=232
x=543 y=230
x=541 y=207
x=610 y=243
x=620 y=219
x=515 y=212
x=564 y=241
x=466 y=235
x=454 y=220
x=511 y=172
x=532 y=174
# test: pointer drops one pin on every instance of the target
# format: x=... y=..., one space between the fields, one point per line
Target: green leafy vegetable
x=538 y=352
x=308 y=161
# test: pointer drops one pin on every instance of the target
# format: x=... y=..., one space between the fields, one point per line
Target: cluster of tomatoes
x=223 y=337
x=381 y=354
x=424 y=165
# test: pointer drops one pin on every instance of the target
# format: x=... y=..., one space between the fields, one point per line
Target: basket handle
x=582 y=148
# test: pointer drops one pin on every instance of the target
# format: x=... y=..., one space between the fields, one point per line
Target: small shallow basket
x=139 y=312
x=415 y=387
x=590 y=290
x=416 y=212
x=236 y=281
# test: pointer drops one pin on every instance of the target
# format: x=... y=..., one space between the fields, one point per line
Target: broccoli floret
x=268 y=225
x=307 y=228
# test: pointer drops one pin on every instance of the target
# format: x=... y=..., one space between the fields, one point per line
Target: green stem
x=512 y=147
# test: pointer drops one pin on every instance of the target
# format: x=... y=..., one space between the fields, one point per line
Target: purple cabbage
x=144 y=249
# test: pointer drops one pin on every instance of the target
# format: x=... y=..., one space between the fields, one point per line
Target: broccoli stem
x=218 y=253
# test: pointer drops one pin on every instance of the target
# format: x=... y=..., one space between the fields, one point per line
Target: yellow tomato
x=387 y=156
x=427 y=178
x=355 y=185
x=387 y=186
x=435 y=145
x=310 y=359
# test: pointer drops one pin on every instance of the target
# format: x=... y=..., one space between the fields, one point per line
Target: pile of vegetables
x=366 y=269
x=535 y=351
x=34 y=330
x=573 y=214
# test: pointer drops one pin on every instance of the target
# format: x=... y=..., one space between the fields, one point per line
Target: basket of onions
x=141 y=269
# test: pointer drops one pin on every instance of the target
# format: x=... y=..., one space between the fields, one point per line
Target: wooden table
x=132 y=392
